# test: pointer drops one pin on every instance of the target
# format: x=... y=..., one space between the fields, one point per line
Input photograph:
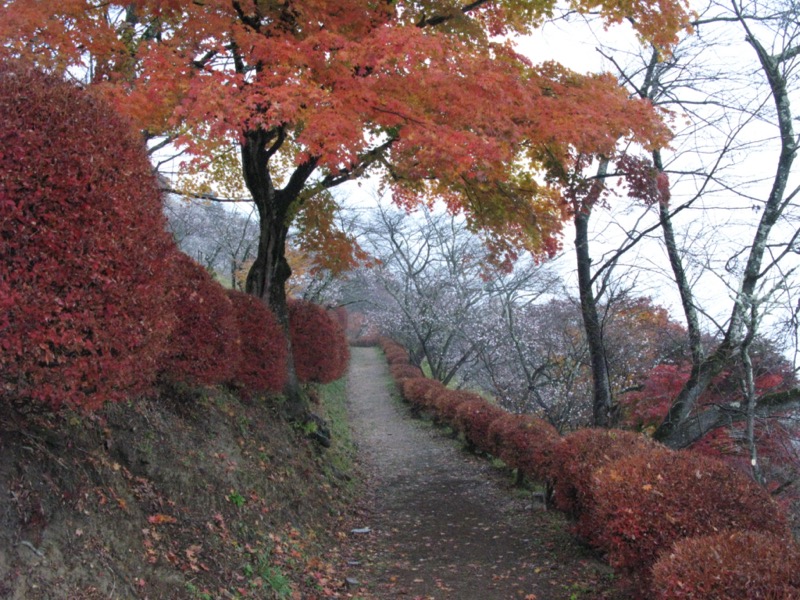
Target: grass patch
x=339 y=459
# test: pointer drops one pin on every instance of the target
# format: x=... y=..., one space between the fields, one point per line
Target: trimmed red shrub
x=473 y=418
x=420 y=392
x=446 y=403
x=395 y=353
x=204 y=346
x=84 y=248
x=319 y=346
x=526 y=443
x=644 y=503
x=401 y=371
x=262 y=367
x=396 y=356
x=580 y=454
x=742 y=564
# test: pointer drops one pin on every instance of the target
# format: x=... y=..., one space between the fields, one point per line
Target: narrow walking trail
x=445 y=524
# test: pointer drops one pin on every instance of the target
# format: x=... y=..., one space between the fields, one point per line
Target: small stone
x=361 y=530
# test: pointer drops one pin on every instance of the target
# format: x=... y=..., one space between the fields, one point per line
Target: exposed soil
x=446 y=524
x=200 y=496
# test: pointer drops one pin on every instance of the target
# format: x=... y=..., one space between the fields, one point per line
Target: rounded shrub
x=319 y=345
x=580 y=454
x=419 y=392
x=85 y=313
x=263 y=363
x=739 y=564
x=473 y=418
x=204 y=347
x=526 y=443
x=644 y=503
x=401 y=371
x=395 y=353
x=446 y=405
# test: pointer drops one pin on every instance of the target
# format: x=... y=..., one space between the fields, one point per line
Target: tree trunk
x=602 y=408
x=270 y=271
x=680 y=427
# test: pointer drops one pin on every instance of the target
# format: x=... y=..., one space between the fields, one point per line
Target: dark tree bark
x=602 y=401
x=682 y=427
x=270 y=271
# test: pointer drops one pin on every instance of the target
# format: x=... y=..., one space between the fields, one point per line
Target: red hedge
x=420 y=392
x=446 y=403
x=473 y=418
x=395 y=353
x=742 y=564
x=580 y=454
x=204 y=347
x=401 y=371
x=262 y=367
x=526 y=443
x=645 y=503
x=84 y=247
x=319 y=345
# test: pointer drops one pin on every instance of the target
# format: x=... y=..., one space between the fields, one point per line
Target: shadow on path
x=445 y=524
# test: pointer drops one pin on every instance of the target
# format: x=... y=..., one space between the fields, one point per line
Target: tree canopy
x=332 y=89
x=430 y=96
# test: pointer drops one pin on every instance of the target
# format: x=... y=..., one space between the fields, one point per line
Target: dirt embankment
x=186 y=497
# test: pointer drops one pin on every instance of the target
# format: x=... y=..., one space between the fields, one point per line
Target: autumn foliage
x=263 y=345
x=709 y=529
x=642 y=504
x=473 y=418
x=204 y=346
x=83 y=286
x=420 y=392
x=526 y=443
x=580 y=454
x=319 y=346
x=739 y=564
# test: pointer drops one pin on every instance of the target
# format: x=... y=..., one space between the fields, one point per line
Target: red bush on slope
x=580 y=454
x=84 y=248
x=742 y=564
x=263 y=345
x=204 y=347
x=642 y=504
x=319 y=345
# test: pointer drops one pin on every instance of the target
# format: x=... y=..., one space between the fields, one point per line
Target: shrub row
x=96 y=301
x=683 y=524
x=522 y=441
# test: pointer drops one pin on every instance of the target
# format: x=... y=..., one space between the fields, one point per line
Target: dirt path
x=445 y=524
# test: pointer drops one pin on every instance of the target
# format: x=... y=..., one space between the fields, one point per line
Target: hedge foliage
x=740 y=564
x=263 y=345
x=83 y=293
x=709 y=529
x=204 y=347
x=644 y=503
x=581 y=453
x=319 y=345
x=526 y=443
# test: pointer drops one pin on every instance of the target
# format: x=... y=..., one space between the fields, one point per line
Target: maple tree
x=319 y=92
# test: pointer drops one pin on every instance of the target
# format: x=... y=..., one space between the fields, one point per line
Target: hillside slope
x=193 y=495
